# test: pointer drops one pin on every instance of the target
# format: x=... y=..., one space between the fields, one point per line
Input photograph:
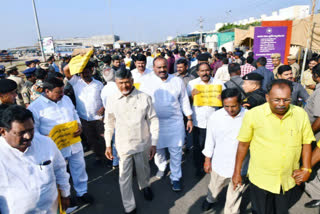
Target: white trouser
x=175 y=161
x=78 y=172
x=142 y=167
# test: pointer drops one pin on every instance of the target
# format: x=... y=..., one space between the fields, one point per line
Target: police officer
x=13 y=73
x=276 y=61
x=255 y=95
x=8 y=90
x=294 y=65
x=26 y=90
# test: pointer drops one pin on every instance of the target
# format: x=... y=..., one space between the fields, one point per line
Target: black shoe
x=312 y=204
x=132 y=212
x=206 y=205
x=86 y=199
x=147 y=193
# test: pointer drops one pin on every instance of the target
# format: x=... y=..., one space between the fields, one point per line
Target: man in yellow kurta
x=278 y=134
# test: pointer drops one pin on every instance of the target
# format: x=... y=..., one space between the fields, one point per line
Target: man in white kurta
x=170 y=100
x=53 y=108
x=31 y=167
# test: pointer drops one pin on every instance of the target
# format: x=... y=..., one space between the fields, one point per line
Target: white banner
x=48 y=47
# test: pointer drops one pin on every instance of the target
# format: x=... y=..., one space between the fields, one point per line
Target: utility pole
x=38 y=30
x=110 y=16
x=201 y=29
x=309 y=38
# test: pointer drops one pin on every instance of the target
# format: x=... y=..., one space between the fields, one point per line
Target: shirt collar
x=45 y=99
x=267 y=110
x=133 y=92
x=240 y=114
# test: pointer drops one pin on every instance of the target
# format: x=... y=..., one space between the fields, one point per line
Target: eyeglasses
x=288 y=100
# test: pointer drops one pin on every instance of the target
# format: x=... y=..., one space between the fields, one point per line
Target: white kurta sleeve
x=109 y=124
x=184 y=101
x=154 y=122
x=60 y=171
x=36 y=118
x=210 y=142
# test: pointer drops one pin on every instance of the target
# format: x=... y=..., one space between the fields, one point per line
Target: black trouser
x=199 y=138
x=265 y=202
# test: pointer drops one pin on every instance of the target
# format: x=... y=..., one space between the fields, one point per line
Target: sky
x=132 y=20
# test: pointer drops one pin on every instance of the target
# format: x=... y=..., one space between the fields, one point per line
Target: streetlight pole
x=38 y=30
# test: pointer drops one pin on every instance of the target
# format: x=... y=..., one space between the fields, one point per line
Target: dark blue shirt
x=267 y=76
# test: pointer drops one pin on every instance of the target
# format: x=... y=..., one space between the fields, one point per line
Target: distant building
x=95 y=41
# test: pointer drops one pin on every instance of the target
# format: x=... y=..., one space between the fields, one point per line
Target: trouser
x=142 y=167
x=234 y=197
x=189 y=136
x=175 y=161
x=265 y=202
x=93 y=131
x=312 y=187
x=78 y=172
x=199 y=138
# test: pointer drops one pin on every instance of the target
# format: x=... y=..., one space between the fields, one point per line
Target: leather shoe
x=147 y=193
x=312 y=204
x=206 y=205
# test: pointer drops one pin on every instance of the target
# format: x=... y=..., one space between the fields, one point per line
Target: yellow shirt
x=276 y=145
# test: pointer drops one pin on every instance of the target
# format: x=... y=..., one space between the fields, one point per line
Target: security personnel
x=8 y=92
x=294 y=65
x=276 y=61
x=255 y=95
x=13 y=73
x=26 y=90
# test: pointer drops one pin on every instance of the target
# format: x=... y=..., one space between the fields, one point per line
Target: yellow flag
x=79 y=62
x=209 y=95
x=136 y=85
x=60 y=210
x=62 y=134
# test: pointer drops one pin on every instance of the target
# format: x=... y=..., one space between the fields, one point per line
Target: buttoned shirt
x=313 y=107
x=201 y=113
x=27 y=186
x=221 y=141
x=130 y=116
x=306 y=80
x=298 y=92
x=295 y=69
x=246 y=68
x=136 y=75
x=170 y=99
x=223 y=73
x=267 y=76
x=88 y=97
x=186 y=78
x=47 y=114
x=275 y=145
x=109 y=89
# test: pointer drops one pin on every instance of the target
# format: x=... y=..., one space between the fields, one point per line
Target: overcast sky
x=132 y=20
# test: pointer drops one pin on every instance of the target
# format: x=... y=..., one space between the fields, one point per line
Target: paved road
x=103 y=184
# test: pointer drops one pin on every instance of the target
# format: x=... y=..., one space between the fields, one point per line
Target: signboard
x=209 y=95
x=62 y=134
x=270 y=40
x=47 y=43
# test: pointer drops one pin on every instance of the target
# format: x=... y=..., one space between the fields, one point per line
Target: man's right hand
x=207 y=166
x=108 y=153
x=194 y=92
x=236 y=180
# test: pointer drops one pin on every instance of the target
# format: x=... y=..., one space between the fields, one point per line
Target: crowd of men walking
x=133 y=106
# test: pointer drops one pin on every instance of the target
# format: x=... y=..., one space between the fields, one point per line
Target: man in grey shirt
x=285 y=72
x=235 y=80
x=262 y=70
x=182 y=71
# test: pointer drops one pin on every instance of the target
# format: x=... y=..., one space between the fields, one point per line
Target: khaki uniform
x=20 y=83
x=306 y=79
x=26 y=92
x=295 y=70
x=275 y=71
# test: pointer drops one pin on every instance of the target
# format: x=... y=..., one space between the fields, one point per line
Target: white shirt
x=149 y=62
x=221 y=141
x=136 y=75
x=170 y=99
x=223 y=73
x=27 y=187
x=47 y=114
x=109 y=89
x=202 y=113
x=88 y=100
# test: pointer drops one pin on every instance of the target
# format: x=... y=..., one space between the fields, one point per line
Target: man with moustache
x=53 y=108
x=182 y=71
x=140 y=70
x=171 y=101
x=279 y=135
x=201 y=113
x=306 y=78
x=131 y=116
x=31 y=167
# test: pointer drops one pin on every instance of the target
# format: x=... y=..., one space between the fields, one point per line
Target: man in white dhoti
x=31 y=167
x=170 y=99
